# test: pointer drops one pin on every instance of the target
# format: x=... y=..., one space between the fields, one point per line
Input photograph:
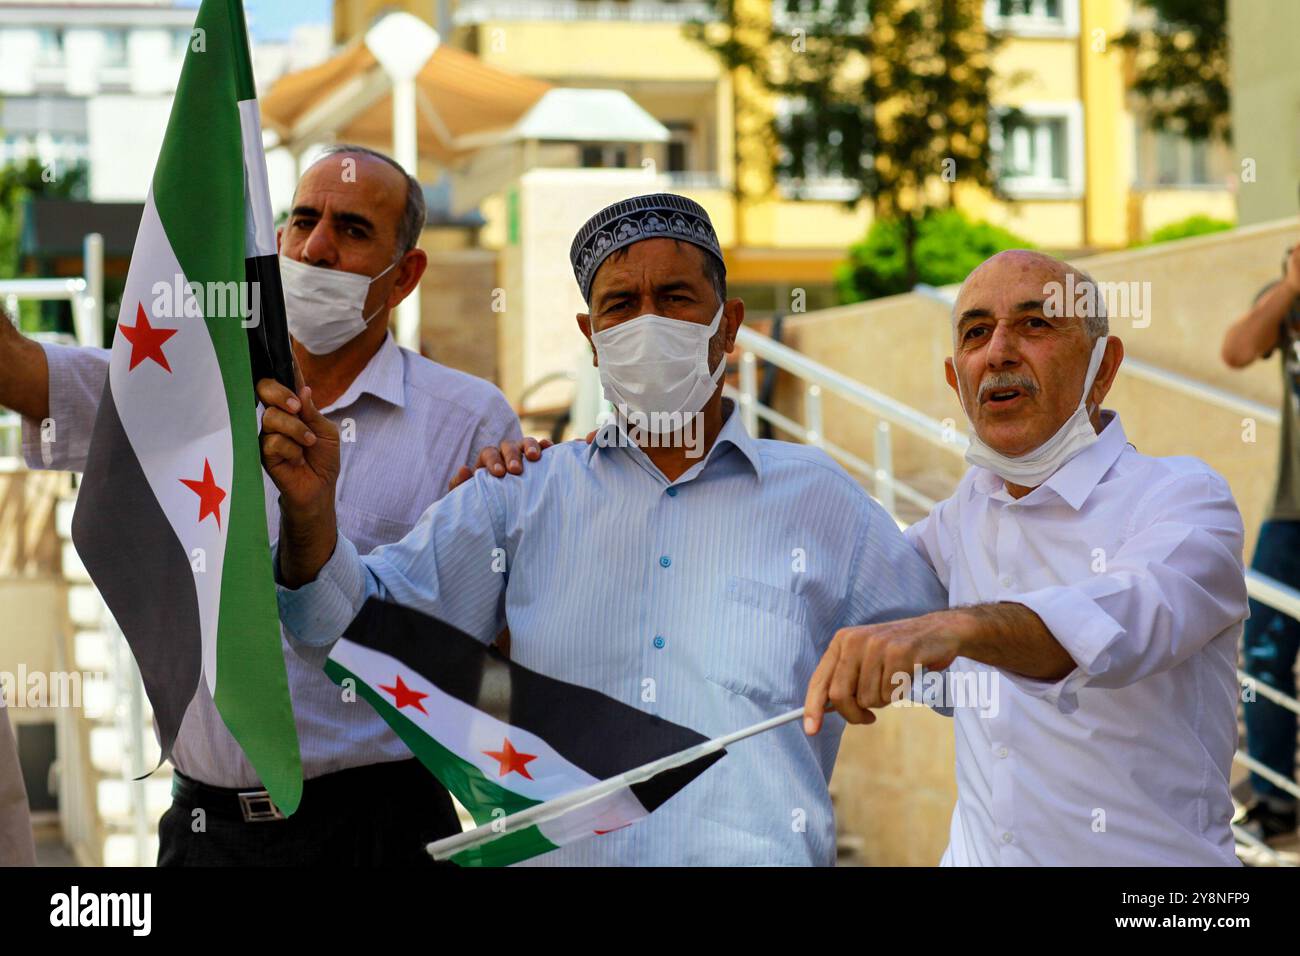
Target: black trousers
x=378 y=815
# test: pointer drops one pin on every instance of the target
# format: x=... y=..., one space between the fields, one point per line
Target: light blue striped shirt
x=707 y=601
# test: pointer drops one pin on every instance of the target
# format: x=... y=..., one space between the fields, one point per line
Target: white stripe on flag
x=259 y=226
x=467 y=732
x=176 y=420
x=610 y=812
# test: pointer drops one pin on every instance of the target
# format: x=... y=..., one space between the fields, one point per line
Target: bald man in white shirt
x=1102 y=590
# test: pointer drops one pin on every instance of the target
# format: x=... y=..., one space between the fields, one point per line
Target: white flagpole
x=450 y=846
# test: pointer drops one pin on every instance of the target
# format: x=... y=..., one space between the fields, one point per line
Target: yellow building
x=1081 y=171
x=1265 y=107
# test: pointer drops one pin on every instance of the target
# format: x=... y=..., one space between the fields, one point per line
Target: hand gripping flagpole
x=449 y=846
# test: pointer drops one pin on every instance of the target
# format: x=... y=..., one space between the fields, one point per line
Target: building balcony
x=471 y=12
x=693 y=179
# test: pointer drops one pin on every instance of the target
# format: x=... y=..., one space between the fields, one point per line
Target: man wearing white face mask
x=348 y=256
x=695 y=581
x=1102 y=589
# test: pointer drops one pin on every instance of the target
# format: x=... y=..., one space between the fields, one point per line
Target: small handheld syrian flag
x=170 y=519
x=577 y=814
x=504 y=738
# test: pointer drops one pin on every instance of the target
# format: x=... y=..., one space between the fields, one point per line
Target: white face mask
x=1032 y=469
x=325 y=308
x=658 y=367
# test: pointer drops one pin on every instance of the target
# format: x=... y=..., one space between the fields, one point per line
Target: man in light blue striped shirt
x=697 y=581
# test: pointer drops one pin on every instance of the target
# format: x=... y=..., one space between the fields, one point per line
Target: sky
x=273 y=19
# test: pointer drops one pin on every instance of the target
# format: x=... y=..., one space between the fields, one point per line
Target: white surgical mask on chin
x=325 y=308
x=658 y=367
x=1033 y=468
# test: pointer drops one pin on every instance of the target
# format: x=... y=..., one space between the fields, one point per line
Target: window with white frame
x=819 y=181
x=603 y=156
x=1166 y=158
x=60 y=149
x=181 y=42
x=789 y=14
x=50 y=45
x=1039 y=150
x=1045 y=18
x=114 y=48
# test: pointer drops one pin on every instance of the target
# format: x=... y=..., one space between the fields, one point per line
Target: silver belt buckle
x=257 y=807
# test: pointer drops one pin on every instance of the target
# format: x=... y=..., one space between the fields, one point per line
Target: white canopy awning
x=560 y=116
x=573 y=115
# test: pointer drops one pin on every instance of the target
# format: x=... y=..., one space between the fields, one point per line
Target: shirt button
x=1006 y=838
x=1002 y=751
x=659 y=642
x=665 y=561
x=1006 y=582
x=672 y=492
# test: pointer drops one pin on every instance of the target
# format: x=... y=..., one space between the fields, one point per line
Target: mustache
x=1000 y=380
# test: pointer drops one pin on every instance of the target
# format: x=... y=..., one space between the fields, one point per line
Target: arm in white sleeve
x=77 y=377
x=1176 y=583
x=930 y=537
x=445 y=567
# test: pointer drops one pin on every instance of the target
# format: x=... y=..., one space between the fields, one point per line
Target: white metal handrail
x=816 y=378
x=78 y=813
x=86 y=293
x=1212 y=394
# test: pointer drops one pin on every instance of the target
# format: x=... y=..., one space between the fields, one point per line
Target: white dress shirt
x=407 y=424
x=1134 y=564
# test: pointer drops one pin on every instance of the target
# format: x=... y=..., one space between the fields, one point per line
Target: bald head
x=1025 y=329
x=382 y=179
x=1062 y=288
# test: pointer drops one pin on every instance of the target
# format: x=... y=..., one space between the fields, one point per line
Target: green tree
x=1182 y=67
x=948 y=246
x=891 y=95
x=1197 y=225
x=18 y=182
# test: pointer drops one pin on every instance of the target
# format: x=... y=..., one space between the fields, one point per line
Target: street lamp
x=403 y=44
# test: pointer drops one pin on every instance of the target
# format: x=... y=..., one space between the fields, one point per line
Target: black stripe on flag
x=141 y=569
x=603 y=736
x=268 y=336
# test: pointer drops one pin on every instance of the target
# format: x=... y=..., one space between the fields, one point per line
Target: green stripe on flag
x=480 y=795
x=511 y=848
x=245 y=88
x=198 y=188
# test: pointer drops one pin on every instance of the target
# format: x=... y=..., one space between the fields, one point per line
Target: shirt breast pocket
x=368 y=529
x=766 y=652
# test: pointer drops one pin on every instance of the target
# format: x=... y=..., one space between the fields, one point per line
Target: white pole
x=406 y=152
x=90 y=306
x=449 y=846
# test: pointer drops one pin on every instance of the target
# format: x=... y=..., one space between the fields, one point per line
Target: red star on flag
x=403 y=695
x=146 y=341
x=511 y=759
x=210 y=496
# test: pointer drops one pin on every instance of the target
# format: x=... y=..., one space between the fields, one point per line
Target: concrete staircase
x=108 y=817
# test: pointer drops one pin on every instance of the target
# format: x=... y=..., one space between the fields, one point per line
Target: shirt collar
x=1074 y=481
x=383 y=377
x=733 y=433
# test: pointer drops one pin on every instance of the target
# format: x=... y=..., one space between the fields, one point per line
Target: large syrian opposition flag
x=170 y=519
x=504 y=738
